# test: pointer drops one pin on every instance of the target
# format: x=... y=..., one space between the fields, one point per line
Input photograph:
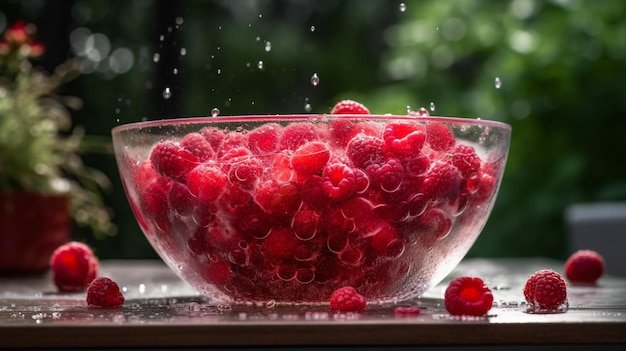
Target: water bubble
x=260 y=64
x=215 y=112
x=497 y=83
x=167 y=93
x=175 y=71
x=156 y=57
x=268 y=46
x=402 y=7
x=307 y=107
x=432 y=106
x=315 y=80
x=183 y=52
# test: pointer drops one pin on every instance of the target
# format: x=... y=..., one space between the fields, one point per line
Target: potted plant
x=44 y=185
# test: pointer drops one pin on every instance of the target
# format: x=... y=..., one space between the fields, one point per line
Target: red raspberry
x=439 y=136
x=364 y=150
x=154 y=203
x=214 y=136
x=297 y=134
x=464 y=158
x=404 y=139
x=349 y=107
x=281 y=243
x=313 y=193
x=197 y=144
x=468 y=296
x=443 y=181
x=74 y=266
x=347 y=299
x=245 y=172
x=584 y=267
x=339 y=181
x=206 y=182
x=172 y=161
x=387 y=176
x=264 y=139
x=310 y=158
x=105 y=293
x=545 y=289
x=180 y=199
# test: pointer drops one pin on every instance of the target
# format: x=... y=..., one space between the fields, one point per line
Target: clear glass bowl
x=289 y=208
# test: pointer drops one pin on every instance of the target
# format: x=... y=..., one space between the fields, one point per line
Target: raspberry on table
x=468 y=296
x=347 y=299
x=545 y=289
x=406 y=310
x=584 y=267
x=105 y=293
x=349 y=107
x=74 y=266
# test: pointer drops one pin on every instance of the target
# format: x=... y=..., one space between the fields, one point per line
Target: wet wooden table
x=162 y=311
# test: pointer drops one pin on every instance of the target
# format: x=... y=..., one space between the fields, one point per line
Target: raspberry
x=172 y=161
x=468 y=296
x=154 y=202
x=339 y=181
x=364 y=150
x=297 y=134
x=545 y=289
x=105 y=293
x=347 y=299
x=388 y=176
x=310 y=158
x=214 y=136
x=206 y=182
x=197 y=145
x=180 y=199
x=584 y=267
x=349 y=107
x=439 y=137
x=281 y=243
x=464 y=158
x=74 y=266
x=264 y=139
x=404 y=139
x=406 y=310
x=442 y=181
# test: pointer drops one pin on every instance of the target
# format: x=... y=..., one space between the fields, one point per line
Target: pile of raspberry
x=297 y=210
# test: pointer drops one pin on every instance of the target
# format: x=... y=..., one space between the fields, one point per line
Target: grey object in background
x=600 y=227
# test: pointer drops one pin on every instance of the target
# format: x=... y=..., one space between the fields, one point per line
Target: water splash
x=497 y=83
x=402 y=7
x=315 y=80
x=215 y=112
x=423 y=112
x=167 y=93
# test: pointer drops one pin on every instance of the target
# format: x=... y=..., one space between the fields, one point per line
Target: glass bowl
x=289 y=208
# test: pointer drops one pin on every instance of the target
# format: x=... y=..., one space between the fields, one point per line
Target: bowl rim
x=301 y=117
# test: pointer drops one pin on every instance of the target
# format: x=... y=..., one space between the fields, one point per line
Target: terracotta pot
x=32 y=226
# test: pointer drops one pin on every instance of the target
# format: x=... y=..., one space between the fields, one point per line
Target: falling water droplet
x=183 y=52
x=497 y=82
x=422 y=112
x=432 y=106
x=215 y=112
x=175 y=71
x=167 y=93
x=161 y=37
x=408 y=109
x=268 y=46
x=315 y=80
x=179 y=20
x=156 y=57
x=258 y=38
x=312 y=28
x=260 y=64
x=307 y=107
x=402 y=7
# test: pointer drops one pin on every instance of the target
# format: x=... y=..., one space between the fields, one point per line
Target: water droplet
x=260 y=64
x=260 y=15
x=258 y=38
x=175 y=71
x=215 y=112
x=117 y=110
x=432 y=106
x=315 y=80
x=422 y=112
x=402 y=7
x=268 y=46
x=219 y=71
x=161 y=37
x=179 y=20
x=408 y=109
x=167 y=93
x=307 y=107
x=312 y=29
x=142 y=288
x=497 y=83
x=183 y=52
x=156 y=57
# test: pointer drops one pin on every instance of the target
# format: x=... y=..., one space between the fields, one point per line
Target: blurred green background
x=561 y=64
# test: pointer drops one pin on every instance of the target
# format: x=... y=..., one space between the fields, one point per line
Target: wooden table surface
x=161 y=310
